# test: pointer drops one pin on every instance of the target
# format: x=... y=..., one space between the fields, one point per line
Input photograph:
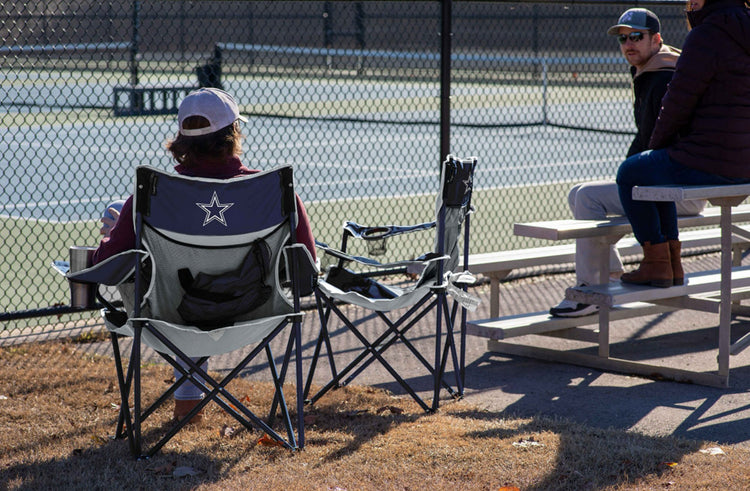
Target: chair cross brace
x=213 y=388
x=395 y=332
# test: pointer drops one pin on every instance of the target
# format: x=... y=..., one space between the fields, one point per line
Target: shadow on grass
x=354 y=431
x=109 y=465
x=582 y=457
x=588 y=458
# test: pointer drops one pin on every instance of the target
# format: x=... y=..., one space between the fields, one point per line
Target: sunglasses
x=633 y=36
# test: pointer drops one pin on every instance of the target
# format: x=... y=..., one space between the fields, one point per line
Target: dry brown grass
x=58 y=407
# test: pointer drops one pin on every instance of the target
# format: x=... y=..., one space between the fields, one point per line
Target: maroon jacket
x=122 y=236
x=705 y=115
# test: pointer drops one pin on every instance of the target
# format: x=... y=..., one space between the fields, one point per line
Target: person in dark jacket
x=650 y=78
x=652 y=63
x=702 y=135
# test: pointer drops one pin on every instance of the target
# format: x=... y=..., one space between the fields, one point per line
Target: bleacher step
x=542 y=323
x=617 y=293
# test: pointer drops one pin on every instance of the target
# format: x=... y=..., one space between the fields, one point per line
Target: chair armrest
x=363 y=232
x=301 y=269
x=367 y=261
x=380 y=232
x=112 y=271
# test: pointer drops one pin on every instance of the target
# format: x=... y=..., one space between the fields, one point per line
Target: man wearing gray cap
x=652 y=64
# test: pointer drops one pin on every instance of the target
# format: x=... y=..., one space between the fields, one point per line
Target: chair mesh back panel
x=194 y=223
x=168 y=257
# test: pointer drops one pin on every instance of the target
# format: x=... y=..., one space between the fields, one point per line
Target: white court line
x=44 y=220
x=40 y=204
x=551 y=165
x=331 y=142
x=124 y=150
x=372 y=198
x=369 y=180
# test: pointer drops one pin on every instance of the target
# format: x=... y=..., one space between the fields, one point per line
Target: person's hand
x=109 y=220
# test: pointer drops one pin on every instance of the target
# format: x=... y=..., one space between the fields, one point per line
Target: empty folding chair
x=439 y=281
x=215 y=269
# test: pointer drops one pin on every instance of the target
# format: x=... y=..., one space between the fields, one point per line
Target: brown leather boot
x=675 y=252
x=655 y=269
x=183 y=407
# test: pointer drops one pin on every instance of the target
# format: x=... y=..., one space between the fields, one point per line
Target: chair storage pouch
x=212 y=301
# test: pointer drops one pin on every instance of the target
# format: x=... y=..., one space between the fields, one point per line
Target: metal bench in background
x=149 y=101
x=705 y=291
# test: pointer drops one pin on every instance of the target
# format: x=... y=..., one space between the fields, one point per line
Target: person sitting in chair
x=208 y=144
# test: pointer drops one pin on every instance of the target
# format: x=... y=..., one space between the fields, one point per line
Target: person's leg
x=648 y=168
x=684 y=208
x=572 y=197
x=655 y=224
x=655 y=168
x=590 y=201
x=187 y=395
x=595 y=201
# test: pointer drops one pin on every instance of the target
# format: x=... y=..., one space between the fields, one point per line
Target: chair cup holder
x=376 y=240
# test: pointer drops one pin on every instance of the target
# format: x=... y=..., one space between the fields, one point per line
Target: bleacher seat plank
x=493 y=262
x=498 y=265
x=542 y=323
x=616 y=293
x=710 y=192
x=577 y=229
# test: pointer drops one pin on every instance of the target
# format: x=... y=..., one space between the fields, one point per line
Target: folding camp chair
x=215 y=269
x=439 y=278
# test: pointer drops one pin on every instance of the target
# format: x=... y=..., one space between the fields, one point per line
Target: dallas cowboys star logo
x=214 y=210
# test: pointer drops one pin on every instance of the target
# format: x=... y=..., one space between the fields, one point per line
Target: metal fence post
x=136 y=99
x=446 y=33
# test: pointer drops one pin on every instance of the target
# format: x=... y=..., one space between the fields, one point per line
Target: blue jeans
x=653 y=221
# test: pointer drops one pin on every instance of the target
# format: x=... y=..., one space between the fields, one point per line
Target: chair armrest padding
x=299 y=259
x=383 y=231
x=112 y=271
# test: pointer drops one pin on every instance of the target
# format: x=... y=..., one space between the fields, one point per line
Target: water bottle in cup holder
x=82 y=295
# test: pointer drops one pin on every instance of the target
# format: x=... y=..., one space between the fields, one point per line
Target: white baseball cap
x=217 y=106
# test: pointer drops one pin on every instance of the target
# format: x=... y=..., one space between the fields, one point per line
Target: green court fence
x=363 y=98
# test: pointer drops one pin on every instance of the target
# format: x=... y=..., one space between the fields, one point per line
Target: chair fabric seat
x=406 y=298
x=195 y=342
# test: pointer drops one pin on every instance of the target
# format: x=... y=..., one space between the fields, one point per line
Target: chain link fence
x=347 y=92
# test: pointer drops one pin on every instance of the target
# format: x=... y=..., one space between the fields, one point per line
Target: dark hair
x=217 y=146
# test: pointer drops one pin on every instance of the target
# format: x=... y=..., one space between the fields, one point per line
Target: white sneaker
x=569 y=308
